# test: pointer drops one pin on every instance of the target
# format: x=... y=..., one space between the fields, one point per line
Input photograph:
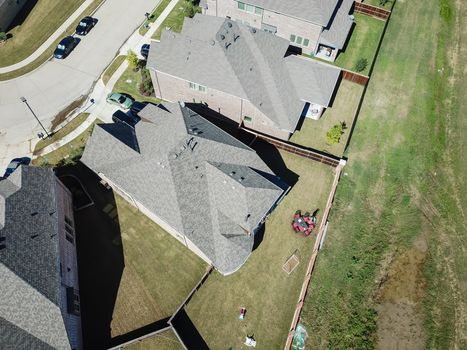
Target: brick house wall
x=174 y=89
x=68 y=261
x=286 y=25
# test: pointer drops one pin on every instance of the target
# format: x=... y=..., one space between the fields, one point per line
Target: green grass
x=394 y=258
x=159 y=271
x=163 y=341
x=174 y=20
x=41 y=22
x=49 y=51
x=376 y=3
x=313 y=132
x=69 y=127
x=70 y=150
x=112 y=68
x=363 y=42
x=129 y=83
x=157 y=12
x=261 y=286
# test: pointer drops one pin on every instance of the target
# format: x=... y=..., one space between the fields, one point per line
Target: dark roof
x=202 y=181
x=335 y=35
x=29 y=260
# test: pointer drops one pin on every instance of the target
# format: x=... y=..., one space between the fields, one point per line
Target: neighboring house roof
x=335 y=35
x=203 y=182
x=239 y=60
x=30 y=313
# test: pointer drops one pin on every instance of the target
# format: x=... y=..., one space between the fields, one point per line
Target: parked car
x=137 y=106
x=145 y=51
x=127 y=118
x=65 y=46
x=14 y=164
x=85 y=25
x=120 y=100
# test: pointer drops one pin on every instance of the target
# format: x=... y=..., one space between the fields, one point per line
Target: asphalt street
x=57 y=83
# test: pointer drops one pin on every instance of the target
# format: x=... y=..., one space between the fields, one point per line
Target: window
x=69 y=233
x=68 y=221
x=299 y=40
x=197 y=87
x=72 y=297
x=247 y=119
x=250 y=8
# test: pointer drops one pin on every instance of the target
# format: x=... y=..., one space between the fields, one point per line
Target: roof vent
x=236 y=37
x=227 y=45
x=229 y=24
x=253 y=30
x=232 y=173
x=251 y=69
x=247 y=217
x=34 y=214
x=241 y=179
x=222 y=36
x=213 y=42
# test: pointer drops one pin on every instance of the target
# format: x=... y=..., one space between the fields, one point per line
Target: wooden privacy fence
x=355 y=77
x=300 y=151
x=371 y=10
x=311 y=264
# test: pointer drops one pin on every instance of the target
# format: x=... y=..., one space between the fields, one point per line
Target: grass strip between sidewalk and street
x=152 y=18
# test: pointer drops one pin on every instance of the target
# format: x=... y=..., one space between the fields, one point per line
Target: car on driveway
x=145 y=51
x=65 y=46
x=120 y=100
x=127 y=118
x=85 y=25
x=14 y=164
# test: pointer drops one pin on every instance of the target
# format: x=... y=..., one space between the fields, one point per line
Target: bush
x=3 y=36
x=361 y=64
x=146 y=88
x=189 y=9
x=334 y=134
x=132 y=59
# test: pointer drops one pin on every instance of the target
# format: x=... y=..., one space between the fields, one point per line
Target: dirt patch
x=400 y=321
x=61 y=116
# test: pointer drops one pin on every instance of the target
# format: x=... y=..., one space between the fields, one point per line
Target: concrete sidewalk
x=40 y=50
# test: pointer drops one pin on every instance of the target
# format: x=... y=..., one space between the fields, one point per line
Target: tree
x=361 y=65
x=132 y=59
x=334 y=134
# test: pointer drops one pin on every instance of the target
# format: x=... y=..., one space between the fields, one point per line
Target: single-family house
x=39 y=290
x=242 y=73
x=202 y=185
x=318 y=27
x=8 y=11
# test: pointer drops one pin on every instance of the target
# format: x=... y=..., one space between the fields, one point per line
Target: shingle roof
x=29 y=262
x=200 y=180
x=335 y=35
x=315 y=11
x=239 y=60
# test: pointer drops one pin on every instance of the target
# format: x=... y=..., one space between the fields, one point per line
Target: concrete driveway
x=57 y=83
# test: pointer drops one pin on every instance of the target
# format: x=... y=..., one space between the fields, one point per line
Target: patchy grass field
x=70 y=150
x=163 y=341
x=33 y=25
x=392 y=273
x=174 y=20
x=313 y=132
x=159 y=271
x=363 y=42
x=112 y=68
x=261 y=286
x=129 y=83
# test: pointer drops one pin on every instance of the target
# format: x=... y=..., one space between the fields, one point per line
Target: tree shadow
x=22 y=14
x=100 y=257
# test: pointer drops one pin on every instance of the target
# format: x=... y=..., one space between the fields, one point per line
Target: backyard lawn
x=313 y=132
x=129 y=83
x=33 y=26
x=363 y=42
x=67 y=151
x=163 y=341
x=159 y=271
x=174 y=20
x=261 y=286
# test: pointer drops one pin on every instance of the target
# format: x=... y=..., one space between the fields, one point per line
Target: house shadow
x=100 y=257
x=22 y=14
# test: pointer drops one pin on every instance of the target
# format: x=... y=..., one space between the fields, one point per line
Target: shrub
x=361 y=65
x=189 y=9
x=132 y=59
x=3 y=36
x=146 y=88
x=383 y=2
x=334 y=134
